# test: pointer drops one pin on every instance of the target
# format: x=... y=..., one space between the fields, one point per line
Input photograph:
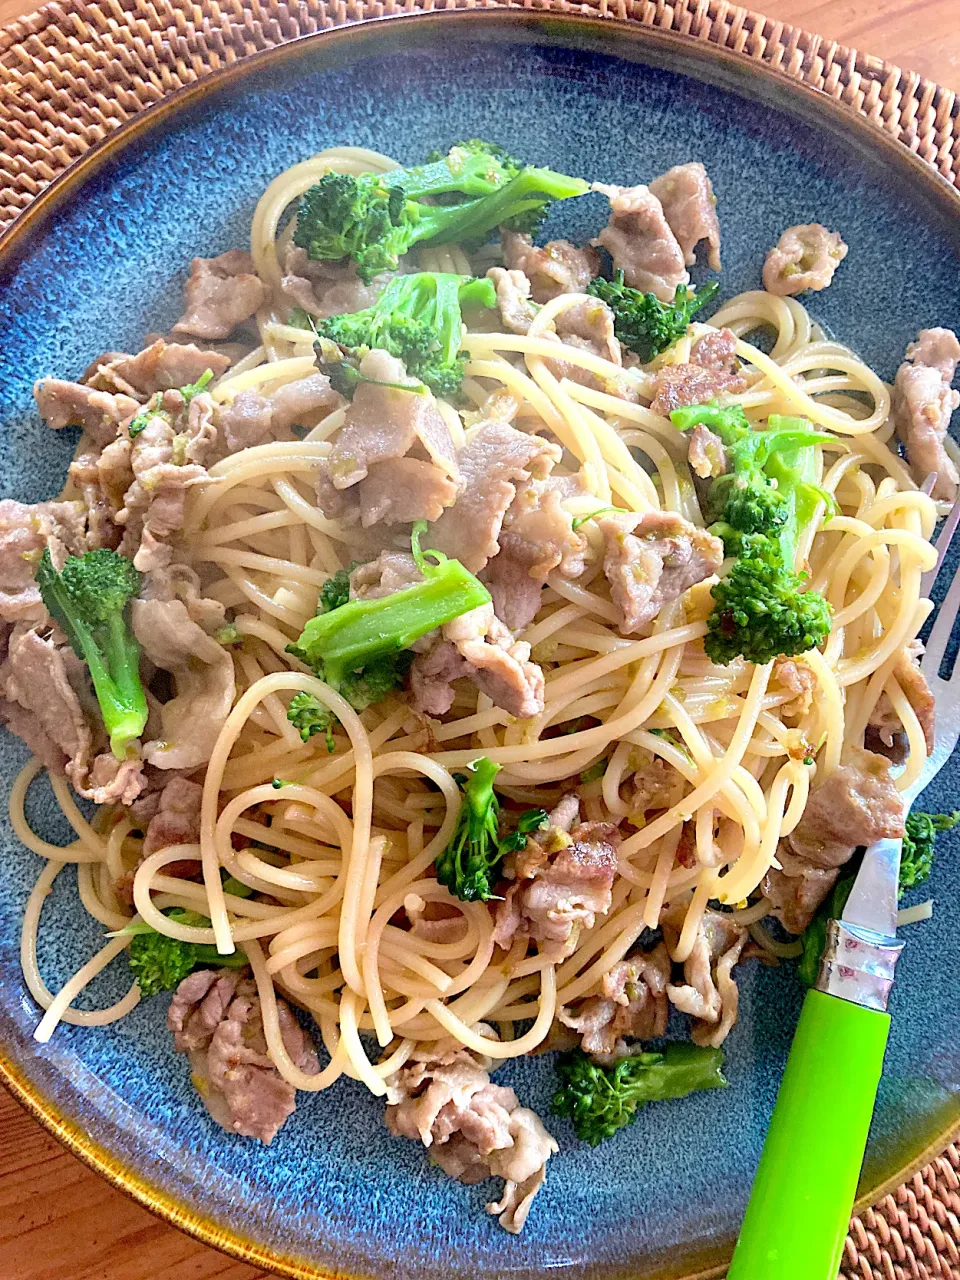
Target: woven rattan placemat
x=74 y=71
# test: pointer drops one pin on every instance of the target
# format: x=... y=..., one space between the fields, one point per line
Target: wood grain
x=58 y=1220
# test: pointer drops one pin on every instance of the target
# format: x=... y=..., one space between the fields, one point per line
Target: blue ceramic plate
x=99 y=261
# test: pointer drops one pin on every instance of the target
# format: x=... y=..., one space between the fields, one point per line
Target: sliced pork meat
x=677 y=385
x=180 y=582
x=404 y=490
x=706 y=454
x=71 y=404
x=651 y=559
x=562 y=881
x=103 y=476
x=481 y=648
x=177 y=820
x=537 y=537
x=202 y=672
x=495 y=460
x=655 y=784
x=641 y=242
x=25 y=532
x=805 y=257
x=690 y=207
x=513 y=299
x=557 y=267
x=216 y=1019
x=632 y=1005
x=856 y=805
x=472 y=1128
x=923 y=403
x=47 y=700
x=251 y=419
x=391 y=571
x=219 y=294
x=167 y=457
x=799 y=680
x=716 y=349
x=382 y=425
x=708 y=993
x=590 y=324
x=796 y=889
x=326 y=288
x=165 y=366
x=885 y=732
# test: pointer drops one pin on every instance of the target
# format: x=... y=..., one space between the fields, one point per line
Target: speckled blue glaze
x=335 y=1191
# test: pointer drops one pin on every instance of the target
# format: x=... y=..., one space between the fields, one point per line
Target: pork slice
x=641 y=242
x=796 y=889
x=564 y=880
x=42 y=677
x=591 y=324
x=651 y=559
x=404 y=490
x=708 y=993
x=203 y=679
x=103 y=476
x=716 y=349
x=885 y=732
x=391 y=571
x=219 y=294
x=557 y=267
x=805 y=257
x=677 y=385
x=177 y=820
x=216 y=1018
x=799 y=680
x=856 y=805
x=631 y=1005
x=384 y=423
x=180 y=582
x=71 y=404
x=923 y=403
x=513 y=299
x=25 y=532
x=166 y=366
x=472 y=1128
x=655 y=784
x=302 y=399
x=705 y=453
x=690 y=208
x=496 y=458
x=245 y=422
x=537 y=537
x=326 y=288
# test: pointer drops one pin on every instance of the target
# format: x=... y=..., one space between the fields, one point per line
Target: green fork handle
x=799 y=1209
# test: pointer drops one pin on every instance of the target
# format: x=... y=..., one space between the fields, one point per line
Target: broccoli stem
x=362 y=631
x=528 y=192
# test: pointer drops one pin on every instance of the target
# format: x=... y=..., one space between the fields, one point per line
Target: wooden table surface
x=59 y=1221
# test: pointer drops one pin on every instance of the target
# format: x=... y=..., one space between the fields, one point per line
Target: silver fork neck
x=858 y=964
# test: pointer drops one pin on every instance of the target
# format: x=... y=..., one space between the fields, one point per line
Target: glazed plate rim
x=678 y=52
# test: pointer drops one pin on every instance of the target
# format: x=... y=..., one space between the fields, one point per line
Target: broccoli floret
x=528 y=822
x=160 y=963
x=916 y=860
x=359 y=647
x=418 y=319
x=641 y=321
x=601 y=1100
x=768 y=496
x=308 y=715
x=88 y=598
x=469 y=864
x=336 y=590
x=762 y=612
x=376 y=218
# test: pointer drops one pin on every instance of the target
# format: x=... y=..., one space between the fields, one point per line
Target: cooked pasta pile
x=338 y=847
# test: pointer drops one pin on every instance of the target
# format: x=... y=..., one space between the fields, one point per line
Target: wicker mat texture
x=74 y=71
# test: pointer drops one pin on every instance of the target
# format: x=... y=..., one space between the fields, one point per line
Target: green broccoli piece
x=528 y=822
x=641 y=321
x=601 y=1100
x=160 y=963
x=417 y=318
x=194 y=388
x=308 y=715
x=470 y=863
x=916 y=860
x=768 y=496
x=376 y=218
x=88 y=599
x=336 y=590
x=358 y=647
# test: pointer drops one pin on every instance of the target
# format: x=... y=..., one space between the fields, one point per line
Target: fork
x=799 y=1209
